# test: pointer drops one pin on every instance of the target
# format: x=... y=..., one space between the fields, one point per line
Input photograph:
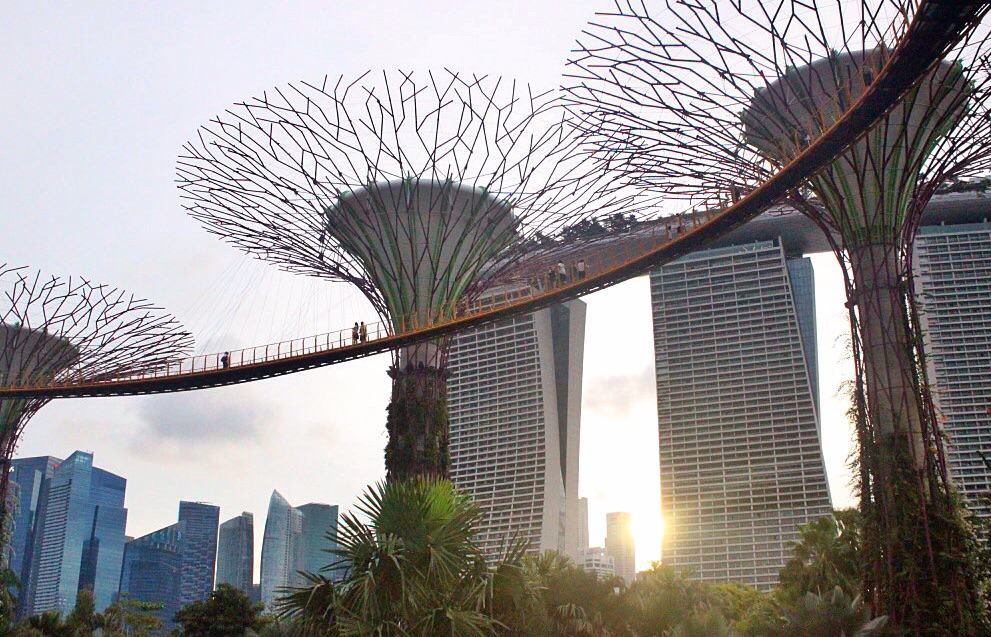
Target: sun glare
x=648 y=530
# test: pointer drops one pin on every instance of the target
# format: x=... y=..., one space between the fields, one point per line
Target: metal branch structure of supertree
x=419 y=189
x=704 y=100
x=71 y=329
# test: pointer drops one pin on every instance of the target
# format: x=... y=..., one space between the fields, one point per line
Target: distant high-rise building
x=595 y=560
x=582 y=525
x=953 y=283
x=319 y=526
x=32 y=477
x=740 y=457
x=620 y=545
x=82 y=536
x=152 y=570
x=282 y=547
x=514 y=397
x=199 y=550
x=236 y=552
x=296 y=539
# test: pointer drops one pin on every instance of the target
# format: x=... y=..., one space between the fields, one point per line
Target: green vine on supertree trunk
x=417 y=423
x=921 y=551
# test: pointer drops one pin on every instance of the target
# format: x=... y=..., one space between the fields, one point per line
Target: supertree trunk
x=417 y=423
x=887 y=347
x=916 y=568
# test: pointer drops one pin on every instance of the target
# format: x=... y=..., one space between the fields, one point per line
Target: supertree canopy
x=704 y=100
x=56 y=330
x=421 y=190
x=869 y=200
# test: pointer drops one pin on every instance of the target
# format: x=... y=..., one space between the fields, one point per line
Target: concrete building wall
x=953 y=283
x=740 y=457
x=515 y=408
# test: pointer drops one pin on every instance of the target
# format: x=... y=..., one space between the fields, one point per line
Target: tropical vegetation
x=414 y=567
x=409 y=563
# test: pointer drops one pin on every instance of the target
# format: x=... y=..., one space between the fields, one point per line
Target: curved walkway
x=936 y=27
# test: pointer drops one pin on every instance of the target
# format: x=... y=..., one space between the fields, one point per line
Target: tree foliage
x=226 y=612
x=414 y=568
x=125 y=617
x=826 y=556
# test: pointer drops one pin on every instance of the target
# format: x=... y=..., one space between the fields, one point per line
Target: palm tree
x=412 y=568
x=835 y=614
x=826 y=555
x=710 y=623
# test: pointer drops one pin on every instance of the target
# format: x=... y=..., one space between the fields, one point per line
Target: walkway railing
x=935 y=27
x=542 y=277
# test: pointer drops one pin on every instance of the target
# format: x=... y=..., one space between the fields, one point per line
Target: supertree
x=420 y=190
x=55 y=330
x=704 y=100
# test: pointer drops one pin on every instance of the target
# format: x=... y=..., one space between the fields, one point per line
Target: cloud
x=617 y=396
x=208 y=416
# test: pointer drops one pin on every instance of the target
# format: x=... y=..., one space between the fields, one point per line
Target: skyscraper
x=32 y=477
x=582 y=524
x=281 y=547
x=199 y=550
x=319 y=525
x=740 y=457
x=152 y=570
x=82 y=536
x=295 y=540
x=514 y=396
x=236 y=552
x=953 y=281
x=620 y=545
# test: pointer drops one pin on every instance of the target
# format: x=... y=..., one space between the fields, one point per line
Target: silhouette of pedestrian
x=354 y=334
x=551 y=278
x=562 y=272
x=225 y=360
x=363 y=332
x=580 y=268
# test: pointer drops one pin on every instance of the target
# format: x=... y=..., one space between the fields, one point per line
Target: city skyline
x=191 y=431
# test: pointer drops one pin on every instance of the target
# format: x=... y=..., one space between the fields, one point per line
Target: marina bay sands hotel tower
x=738 y=390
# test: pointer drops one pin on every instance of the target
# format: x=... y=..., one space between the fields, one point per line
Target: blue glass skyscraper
x=319 y=526
x=236 y=552
x=32 y=476
x=296 y=539
x=152 y=570
x=81 y=524
x=281 y=547
x=199 y=550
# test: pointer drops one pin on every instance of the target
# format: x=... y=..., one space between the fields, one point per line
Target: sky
x=98 y=99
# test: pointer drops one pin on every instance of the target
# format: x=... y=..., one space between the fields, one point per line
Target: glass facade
x=741 y=464
x=152 y=570
x=82 y=536
x=33 y=478
x=319 y=521
x=296 y=539
x=199 y=550
x=236 y=552
x=281 y=547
